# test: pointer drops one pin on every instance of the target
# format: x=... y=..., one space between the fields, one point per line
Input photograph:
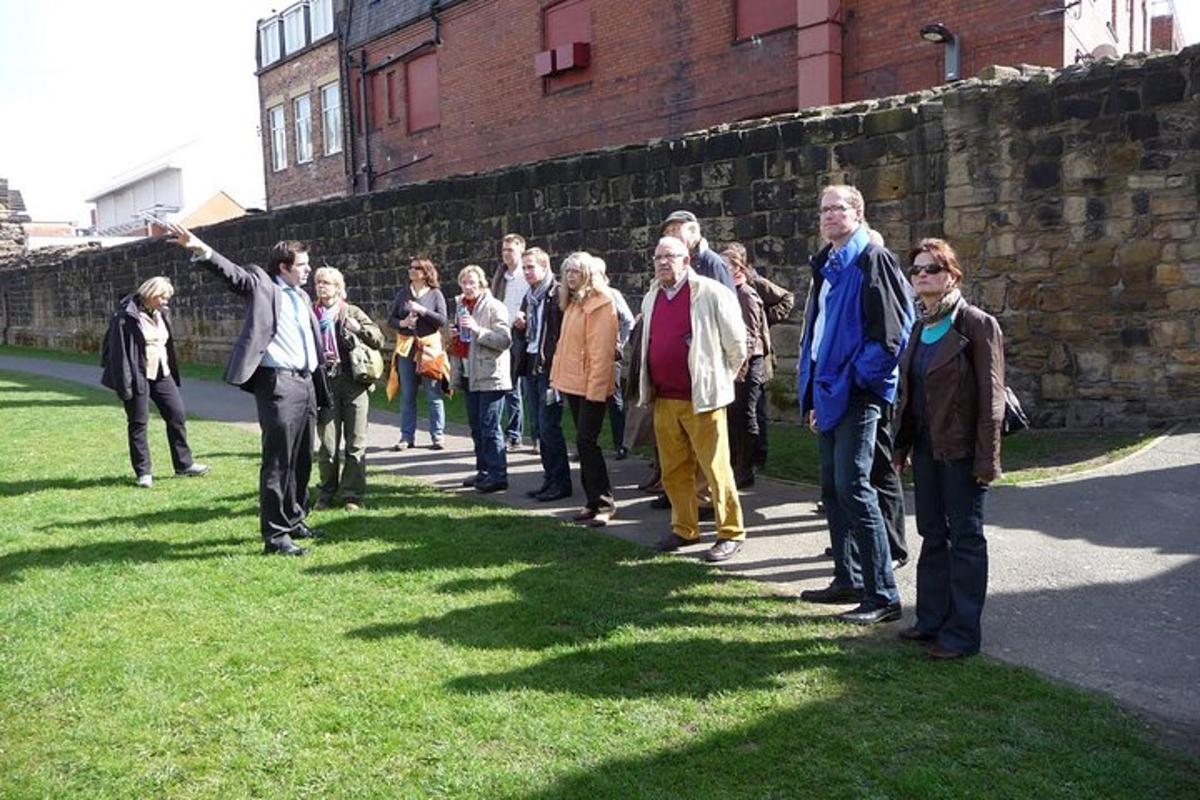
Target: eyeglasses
x=841 y=208
x=667 y=256
x=928 y=269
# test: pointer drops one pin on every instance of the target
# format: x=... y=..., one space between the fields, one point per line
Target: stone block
x=1191 y=274
x=1056 y=386
x=1170 y=333
x=786 y=338
x=717 y=176
x=1130 y=372
x=1168 y=276
x=1139 y=253
x=1173 y=204
x=1091 y=365
x=1052 y=301
x=1187 y=299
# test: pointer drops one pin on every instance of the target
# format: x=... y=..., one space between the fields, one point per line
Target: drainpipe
x=364 y=73
x=818 y=53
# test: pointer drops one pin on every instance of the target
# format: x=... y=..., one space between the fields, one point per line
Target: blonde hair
x=332 y=275
x=477 y=271
x=158 y=286
x=582 y=261
x=540 y=257
x=851 y=194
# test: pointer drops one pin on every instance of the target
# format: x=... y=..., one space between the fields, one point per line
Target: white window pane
x=321 y=18
x=303 y=109
x=278 y=139
x=331 y=117
x=268 y=37
x=293 y=30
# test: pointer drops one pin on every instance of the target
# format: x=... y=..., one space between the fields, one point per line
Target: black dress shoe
x=915 y=634
x=939 y=653
x=487 y=486
x=622 y=453
x=871 y=615
x=550 y=495
x=471 y=480
x=832 y=594
x=305 y=532
x=672 y=542
x=660 y=501
x=532 y=494
x=283 y=547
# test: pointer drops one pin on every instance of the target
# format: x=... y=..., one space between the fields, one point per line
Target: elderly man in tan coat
x=694 y=344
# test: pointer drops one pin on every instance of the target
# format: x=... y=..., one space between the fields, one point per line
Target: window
x=293 y=29
x=755 y=17
x=278 y=138
x=268 y=42
x=331 y=117
x=303 y=113
x=565 y=26
x=421 y=79
x=320 y=18
x=391 y=95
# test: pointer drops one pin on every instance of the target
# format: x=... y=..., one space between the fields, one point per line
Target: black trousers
x=593 y=472
x=165 y=395
x=888 y=487
x=287 y=415
x=744 y=431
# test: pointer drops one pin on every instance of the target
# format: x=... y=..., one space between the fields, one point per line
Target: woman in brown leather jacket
x=950 y=411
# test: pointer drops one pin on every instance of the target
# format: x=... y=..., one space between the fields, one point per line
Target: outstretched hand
x=186 y=239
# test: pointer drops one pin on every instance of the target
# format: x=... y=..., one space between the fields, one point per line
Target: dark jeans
x=861 y=557
x=552 y=446
x=483 y=414
x=165 y=395
x=760 y=413
x=743 y=420
x=287 y=416
x=888 y=487
x=512 y=409
x=616 y=412
x=530 y=400
x=952 y=571
x=593 y=472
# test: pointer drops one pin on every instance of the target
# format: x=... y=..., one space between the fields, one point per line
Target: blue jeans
x=953 y=569
x=483 y=414
x=861 y=557
x=409 y=379
x=552 y=446
x=531 y=398
x=512 y=409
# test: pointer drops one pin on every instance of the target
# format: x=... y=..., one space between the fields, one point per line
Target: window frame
x=293 y=13
x=326 y=111
x=738 y=37
x=263 y=39
x=325 y=15
x=278 y=137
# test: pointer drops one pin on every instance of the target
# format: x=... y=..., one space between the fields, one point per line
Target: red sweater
x=670 y=336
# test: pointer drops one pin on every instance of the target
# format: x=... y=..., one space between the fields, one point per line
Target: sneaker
x=437 y=445
x=723 y=550
x=145 y=481
x=537 y=447
x=194 y=471
x=353 y=505
x=402 y=445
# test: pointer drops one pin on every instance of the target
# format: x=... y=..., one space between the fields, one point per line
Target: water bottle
x=464 y=334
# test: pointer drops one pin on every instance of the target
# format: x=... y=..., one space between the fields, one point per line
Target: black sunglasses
x=928 y=269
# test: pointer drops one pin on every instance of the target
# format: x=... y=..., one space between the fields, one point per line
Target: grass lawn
x=438 y=647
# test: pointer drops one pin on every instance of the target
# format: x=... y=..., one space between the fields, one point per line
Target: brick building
x=440 y=88
x=300 y=100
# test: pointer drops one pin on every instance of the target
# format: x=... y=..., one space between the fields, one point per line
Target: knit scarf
x=942 y=308
x=328 y=316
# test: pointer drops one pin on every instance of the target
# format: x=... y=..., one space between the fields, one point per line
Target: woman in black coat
x=139 y=364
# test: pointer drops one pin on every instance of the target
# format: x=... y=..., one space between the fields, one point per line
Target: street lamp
x=937 y=33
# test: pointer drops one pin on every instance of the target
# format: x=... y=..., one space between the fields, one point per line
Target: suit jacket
x=263 y=299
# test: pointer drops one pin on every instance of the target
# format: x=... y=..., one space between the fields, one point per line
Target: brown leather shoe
x=723 y=550
x=584 y=516
x=939 y=653
x=915 y=634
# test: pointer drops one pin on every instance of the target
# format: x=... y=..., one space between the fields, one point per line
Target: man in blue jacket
x=856 y=325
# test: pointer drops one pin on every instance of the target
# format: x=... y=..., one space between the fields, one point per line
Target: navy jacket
x=123 y=355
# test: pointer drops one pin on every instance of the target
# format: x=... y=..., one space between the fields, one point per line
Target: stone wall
x=1071 y=196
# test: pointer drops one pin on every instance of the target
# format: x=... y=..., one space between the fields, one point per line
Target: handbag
x=1014 y=416
x=430 y=358
x=366 y=363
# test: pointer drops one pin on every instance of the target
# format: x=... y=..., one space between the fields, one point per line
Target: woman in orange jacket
x=584 y=373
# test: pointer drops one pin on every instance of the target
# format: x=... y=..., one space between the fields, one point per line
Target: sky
x=91 y=90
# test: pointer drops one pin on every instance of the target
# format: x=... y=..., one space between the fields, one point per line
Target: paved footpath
x=1095 y=580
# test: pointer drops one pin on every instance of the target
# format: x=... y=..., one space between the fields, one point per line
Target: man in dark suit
x=275 y=357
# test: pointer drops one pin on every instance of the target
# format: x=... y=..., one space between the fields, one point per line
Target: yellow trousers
x=687 y=440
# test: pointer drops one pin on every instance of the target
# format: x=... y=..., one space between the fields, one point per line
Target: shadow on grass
x=220 y=508
x=15 y=488
x=124 y=551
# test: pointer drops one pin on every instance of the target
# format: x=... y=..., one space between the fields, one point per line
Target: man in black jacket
x=275 y=357
x=535 y=338
x=684 y=226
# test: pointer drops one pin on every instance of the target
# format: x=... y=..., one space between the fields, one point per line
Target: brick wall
x=1072 y=198
x=302 y=74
